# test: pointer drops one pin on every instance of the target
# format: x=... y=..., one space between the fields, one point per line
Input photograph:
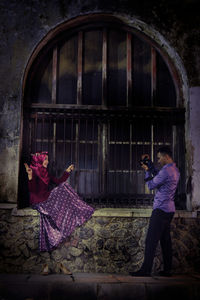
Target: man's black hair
x=165 y=150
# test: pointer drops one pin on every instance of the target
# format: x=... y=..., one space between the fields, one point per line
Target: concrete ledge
x=8 y=205
x=24 y=212
x=103 y=212
x=123 y=212
x=111 y=212
x=139 y=213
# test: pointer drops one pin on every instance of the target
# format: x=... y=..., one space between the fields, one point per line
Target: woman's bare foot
x=64 y=270
x=45 y=270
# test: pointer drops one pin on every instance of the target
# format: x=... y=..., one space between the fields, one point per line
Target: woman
x=61 y=210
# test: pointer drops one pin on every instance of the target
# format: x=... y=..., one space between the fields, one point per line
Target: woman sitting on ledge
x=61 y=210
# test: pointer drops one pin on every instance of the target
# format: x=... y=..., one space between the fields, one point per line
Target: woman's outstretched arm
x=64 y=176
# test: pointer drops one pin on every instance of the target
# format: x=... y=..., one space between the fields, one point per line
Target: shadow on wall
x=23 y=192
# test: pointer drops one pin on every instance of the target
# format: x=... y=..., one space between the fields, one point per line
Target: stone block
x=120 y=233
x=86 y=233
x=75 y=251
x=110 y=245
x=23 y=248
x=104 y=233
x=33 y=244
x=100 y=244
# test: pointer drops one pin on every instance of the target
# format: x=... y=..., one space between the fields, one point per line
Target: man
x=165 y=181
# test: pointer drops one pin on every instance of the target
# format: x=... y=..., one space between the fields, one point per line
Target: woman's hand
x=70 y=168
x=29 y=171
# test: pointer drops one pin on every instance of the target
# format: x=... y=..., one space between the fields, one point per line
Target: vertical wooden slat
x=42 y=134
x=115 y=158
x=72 y=141
x=86 y=155
x=49 y=134
x=64 y=138
x=153 y=76
x=93 y=189
x=99 y=157
x=77 y=141
x=131 y=155
x=80 y=67
x=54 y=77
x=72 y=149
x=104 y=69
x=35 y=133
x=123 y=147
x=129 y=69
x=109 y=175
x=31 y=125
x=136 y=158
x=104 y=157
x=152 y=145
x=54 y=143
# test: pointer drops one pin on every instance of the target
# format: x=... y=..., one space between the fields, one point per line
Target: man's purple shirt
x=165 y=182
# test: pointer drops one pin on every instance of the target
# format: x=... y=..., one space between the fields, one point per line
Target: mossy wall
x=102 y=245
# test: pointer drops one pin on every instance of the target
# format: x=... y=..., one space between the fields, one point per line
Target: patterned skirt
x=60 y=214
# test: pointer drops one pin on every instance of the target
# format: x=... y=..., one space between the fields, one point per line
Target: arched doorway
x=98 y=94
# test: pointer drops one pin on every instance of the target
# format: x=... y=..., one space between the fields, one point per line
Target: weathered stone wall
x=23 y=25
x=195 y=138
x=103 y=244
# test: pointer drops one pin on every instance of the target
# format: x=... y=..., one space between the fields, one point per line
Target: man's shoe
x=140 y=274
x=165 y=274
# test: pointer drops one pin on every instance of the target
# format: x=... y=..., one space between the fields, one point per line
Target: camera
x=146 y=161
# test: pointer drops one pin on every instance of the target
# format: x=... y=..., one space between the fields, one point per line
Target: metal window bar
x=131 y=170
x=85 y=154
x=54 y=147
x=93 y=172
x=35 y=133
x=136 y=153
x=42 y=133
x=29 y=136
x=49 y=134
x=77 y=155
x=115 y=158
x=99 y=157
x=72 y=139
x=64 y=139
x=123 y=154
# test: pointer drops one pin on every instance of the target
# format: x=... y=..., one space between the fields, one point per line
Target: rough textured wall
x=103 y=244
x=23 y=24
x=195 y=138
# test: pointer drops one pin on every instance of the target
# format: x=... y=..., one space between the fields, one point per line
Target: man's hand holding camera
x=145 y=159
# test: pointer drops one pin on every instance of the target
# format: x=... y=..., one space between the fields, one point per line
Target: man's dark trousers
x=159 y=230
